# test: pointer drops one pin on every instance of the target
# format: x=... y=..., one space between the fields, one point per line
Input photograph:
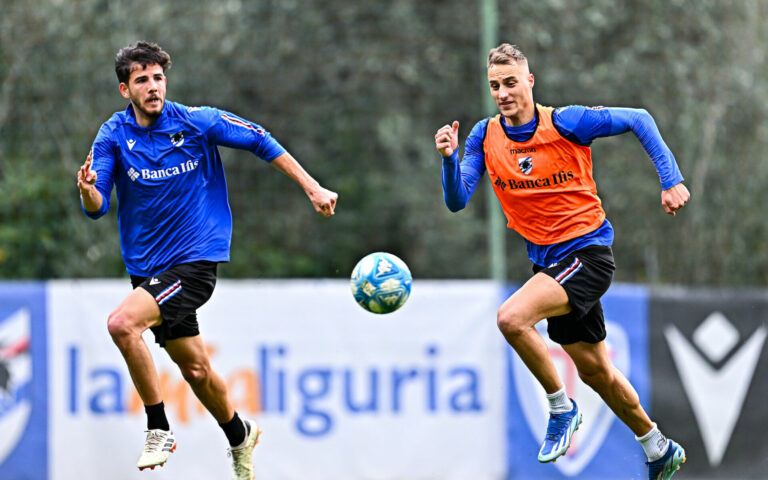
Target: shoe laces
x=655 y=470
x=240 y=463
x=557 y=423
x=154 y=440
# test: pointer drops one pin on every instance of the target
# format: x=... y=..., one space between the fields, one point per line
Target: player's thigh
x=138 y=310
x=540 y=297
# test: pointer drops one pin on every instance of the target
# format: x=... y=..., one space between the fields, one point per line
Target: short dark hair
x=143 y=53
x=505 y=54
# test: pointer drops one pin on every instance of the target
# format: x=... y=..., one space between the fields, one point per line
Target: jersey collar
x=130 y=117
x=521 y=133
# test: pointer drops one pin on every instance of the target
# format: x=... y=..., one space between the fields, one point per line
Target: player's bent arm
x=454 y=191
x=674 y=194
x=91 y=198
x=460 y=178
x=92 y=201
x=583 y=125
x=641 y=123
x=322 y=199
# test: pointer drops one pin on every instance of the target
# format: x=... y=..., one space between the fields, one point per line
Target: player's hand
x=447 y=139
x=673 y=199
x=323 y=200
x=86 y=177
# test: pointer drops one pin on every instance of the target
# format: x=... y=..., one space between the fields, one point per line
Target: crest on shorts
x=525 y=164
x=177 y=139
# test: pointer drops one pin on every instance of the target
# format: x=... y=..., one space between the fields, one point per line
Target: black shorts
x=179 y=292
x=585 y=275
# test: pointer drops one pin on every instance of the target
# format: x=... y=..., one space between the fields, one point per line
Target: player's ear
x=530 y=79
x=124 y=90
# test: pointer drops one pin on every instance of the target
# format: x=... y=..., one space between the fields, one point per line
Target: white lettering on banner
x=715 y=395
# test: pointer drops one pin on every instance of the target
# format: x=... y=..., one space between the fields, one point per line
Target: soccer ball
x=381 y=282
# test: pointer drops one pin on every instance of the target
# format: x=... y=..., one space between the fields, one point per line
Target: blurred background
x=356 y=91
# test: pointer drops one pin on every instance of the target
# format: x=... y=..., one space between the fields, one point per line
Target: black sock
x=156 y=418
x=234 y=430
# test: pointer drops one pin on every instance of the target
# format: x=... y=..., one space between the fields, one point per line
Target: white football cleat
x=242 y=461
x=157 y=447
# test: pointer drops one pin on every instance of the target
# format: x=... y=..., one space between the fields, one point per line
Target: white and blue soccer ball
x=381 y=282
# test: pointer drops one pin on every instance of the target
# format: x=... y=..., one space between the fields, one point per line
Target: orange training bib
x=545 y=184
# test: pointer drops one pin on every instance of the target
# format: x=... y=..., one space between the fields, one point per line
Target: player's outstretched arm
x=322 y=199
x=86 y=180
x=673 y=199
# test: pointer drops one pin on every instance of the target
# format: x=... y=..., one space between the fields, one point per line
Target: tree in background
x=359 y=89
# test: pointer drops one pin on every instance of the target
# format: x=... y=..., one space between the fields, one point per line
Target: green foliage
x=356 y=90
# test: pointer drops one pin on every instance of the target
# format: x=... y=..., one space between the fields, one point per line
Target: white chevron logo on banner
x=715 y=395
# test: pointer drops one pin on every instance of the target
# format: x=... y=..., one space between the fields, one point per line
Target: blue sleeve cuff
x=677 y=178
x=454 y=158
x=98 y=213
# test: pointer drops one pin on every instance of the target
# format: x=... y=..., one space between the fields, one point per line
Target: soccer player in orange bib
x=539 y=162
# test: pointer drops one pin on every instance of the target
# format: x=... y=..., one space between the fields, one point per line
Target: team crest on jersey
x=177 y=139
x=525 y=164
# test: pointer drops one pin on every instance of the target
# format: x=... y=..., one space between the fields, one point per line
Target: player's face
x=146 y=91
x=512 y=90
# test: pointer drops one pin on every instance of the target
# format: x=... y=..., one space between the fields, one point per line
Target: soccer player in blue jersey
x=540 y=165
x=175 y=227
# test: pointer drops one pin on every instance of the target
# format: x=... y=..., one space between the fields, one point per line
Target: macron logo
x=716 y=395
x=154 y=281
x=130 y=143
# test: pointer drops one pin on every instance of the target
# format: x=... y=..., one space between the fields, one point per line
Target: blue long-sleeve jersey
x=578 y=124
x=171 y=190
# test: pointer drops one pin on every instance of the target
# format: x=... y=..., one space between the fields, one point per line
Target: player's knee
x=120 y=326
x=510 y=321
x=195 y=372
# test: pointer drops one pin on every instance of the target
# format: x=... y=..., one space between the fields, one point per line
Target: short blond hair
x=506 y=54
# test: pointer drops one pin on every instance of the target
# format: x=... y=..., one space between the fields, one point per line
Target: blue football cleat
x=666 y=466
x=559 y=432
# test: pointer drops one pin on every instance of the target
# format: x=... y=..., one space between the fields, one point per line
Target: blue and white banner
x=340 y=393
x=431 y=391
